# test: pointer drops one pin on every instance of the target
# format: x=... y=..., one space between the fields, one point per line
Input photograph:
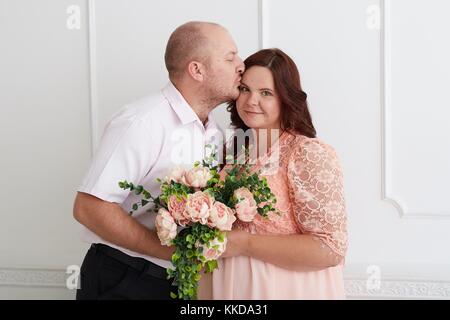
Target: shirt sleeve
x=316 y=190
x=127 y=151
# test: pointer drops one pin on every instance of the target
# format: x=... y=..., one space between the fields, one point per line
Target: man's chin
x=235 y=95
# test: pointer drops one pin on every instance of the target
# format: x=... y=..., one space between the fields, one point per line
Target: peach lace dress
x=307 y=180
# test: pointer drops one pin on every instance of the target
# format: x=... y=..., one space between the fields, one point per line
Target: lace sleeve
x=317 y=195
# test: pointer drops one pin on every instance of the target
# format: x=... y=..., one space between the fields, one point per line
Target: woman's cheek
x=240 y=103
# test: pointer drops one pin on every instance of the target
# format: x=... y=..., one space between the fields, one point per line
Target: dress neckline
x=271 y=156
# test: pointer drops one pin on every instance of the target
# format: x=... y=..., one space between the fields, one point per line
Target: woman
x=298 y=253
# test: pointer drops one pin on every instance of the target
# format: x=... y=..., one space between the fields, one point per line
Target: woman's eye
x=243 y=89
x=266 y=93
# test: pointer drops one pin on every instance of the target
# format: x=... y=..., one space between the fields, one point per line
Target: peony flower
x=166 y=228
x=177 y=209
x=198 y=177
x=221 y=217
x=177 y=175
x=214 y=249
x=246 y=207
x=198 y=207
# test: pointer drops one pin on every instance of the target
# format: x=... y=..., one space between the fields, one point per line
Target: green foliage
x=241 y=176
x=188 y=259
x=139 y=190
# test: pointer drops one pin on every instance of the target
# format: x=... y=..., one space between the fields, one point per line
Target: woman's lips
x=252 y=112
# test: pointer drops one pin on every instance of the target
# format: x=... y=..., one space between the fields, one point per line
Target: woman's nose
x=253 y=99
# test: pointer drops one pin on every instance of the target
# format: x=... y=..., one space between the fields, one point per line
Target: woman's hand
x=237 y=243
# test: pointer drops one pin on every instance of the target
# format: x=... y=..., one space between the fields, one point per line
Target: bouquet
x=194 y=210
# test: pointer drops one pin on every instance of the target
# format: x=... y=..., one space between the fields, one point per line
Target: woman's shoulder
x=308 y=145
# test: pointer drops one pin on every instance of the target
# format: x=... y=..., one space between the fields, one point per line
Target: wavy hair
x=295 y=114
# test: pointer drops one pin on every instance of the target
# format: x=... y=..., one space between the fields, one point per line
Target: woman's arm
x=316 y=193
x=291 y=252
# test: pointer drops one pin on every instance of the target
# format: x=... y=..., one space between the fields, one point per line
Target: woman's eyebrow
x=261 y=89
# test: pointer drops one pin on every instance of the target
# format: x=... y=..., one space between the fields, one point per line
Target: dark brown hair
x=295 y=116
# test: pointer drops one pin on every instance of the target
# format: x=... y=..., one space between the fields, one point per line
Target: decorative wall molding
x=33 y=277
x=398 y=289
x=263 y=24
x=355 y=287
x=93 y=91
x=386 y=124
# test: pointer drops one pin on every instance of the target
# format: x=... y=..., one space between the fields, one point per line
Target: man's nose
x=241 y=66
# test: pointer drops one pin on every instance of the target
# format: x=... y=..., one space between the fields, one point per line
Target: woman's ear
x=196 y=70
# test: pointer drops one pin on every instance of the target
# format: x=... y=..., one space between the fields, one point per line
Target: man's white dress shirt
x=144 y=141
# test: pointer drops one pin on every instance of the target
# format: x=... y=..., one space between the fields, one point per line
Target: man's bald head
x=190 y=41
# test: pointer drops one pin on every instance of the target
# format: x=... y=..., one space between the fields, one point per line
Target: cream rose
x=177 y=175
x=214 y=249
x=166 y=228
x=198 y=177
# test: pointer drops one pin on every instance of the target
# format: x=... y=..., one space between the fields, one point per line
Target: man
x=140 y=144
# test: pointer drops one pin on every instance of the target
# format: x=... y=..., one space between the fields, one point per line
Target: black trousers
x=109 y=274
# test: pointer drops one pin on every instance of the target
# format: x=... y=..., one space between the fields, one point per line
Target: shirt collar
x=183 y=110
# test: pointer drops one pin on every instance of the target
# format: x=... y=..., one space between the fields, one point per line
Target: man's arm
x=113 y=224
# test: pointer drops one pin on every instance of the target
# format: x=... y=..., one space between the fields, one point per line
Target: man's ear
x=196 y=70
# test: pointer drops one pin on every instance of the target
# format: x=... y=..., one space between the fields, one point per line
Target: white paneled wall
x=45 y=137
x=417 y=102
x=131 y=38
x=375 y=73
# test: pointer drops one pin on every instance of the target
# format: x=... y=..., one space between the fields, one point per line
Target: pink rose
x=214 y=249
x=198 y=177
x=221 y=217
x=246 y=207
x=198 y=206
x=166 y=228
x=177 y=209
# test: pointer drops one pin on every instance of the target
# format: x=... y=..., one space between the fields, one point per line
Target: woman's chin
x=258 y=125
x=253 y=124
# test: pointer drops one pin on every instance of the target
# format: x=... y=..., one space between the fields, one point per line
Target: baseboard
x=356 y=288
x=398 y=289
x=33 y=277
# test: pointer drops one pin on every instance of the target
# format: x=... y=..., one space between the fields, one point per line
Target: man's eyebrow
x=232 y=52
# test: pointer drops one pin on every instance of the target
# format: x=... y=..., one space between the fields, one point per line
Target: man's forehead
x=228 y=46
x=232 y=51
x=221 y=39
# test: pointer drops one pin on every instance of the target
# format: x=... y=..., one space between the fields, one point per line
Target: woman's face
x=258 y=103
